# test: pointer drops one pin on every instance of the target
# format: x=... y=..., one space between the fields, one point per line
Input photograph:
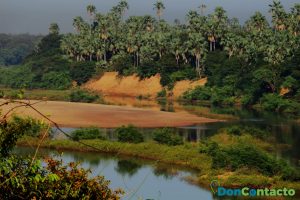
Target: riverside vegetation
x=235 y=155
x=256 y=63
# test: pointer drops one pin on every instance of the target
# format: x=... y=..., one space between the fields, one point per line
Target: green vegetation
x=129 y=134
x=28 y=178
x=87 y=134
x=38 y=94
x=14 y=48
x=239 y=70
x=79 y=95
x=167 y=136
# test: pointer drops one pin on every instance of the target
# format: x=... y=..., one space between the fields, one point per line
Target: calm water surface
x=140 y=179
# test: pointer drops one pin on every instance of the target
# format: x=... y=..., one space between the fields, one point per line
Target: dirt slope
x=132 y=86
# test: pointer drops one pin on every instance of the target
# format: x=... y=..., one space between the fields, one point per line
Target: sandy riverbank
x=69 y=114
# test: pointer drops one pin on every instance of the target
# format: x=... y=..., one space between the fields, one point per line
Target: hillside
x=111 y=84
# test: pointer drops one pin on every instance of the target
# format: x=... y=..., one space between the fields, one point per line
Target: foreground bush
x=87 y=134
x=166 y=136
x=83 y=96
x=22 y=179
x=129 y=134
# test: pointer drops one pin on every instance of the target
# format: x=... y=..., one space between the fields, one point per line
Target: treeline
x=254 y=63
x=14 y=48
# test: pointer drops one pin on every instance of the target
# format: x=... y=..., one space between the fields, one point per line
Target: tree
x=198 y=47
x=159 y=7
x=202 y=9
x=54 y=29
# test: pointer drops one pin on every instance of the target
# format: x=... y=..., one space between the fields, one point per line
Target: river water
x=143 y=179
x=140 y=179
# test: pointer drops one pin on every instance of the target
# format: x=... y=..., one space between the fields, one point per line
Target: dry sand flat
x=132 y=86
x=107 y=116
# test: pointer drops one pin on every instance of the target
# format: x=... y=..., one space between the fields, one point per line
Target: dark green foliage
x=162 y=93
x=87 y=134
x=56 y=80
x=78 y=95
x=274 y=102
x=129 y=134
x=30 y=179
x=199 y=93
x=14 y=48
x=246 y=155
x=167 y=136
x=11 y=131
x=241 y=130
x=81 y=72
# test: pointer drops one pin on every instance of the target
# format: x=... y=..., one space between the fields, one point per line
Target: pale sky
x=34 y=16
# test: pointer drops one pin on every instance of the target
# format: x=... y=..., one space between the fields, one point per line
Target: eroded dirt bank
x=132 y=86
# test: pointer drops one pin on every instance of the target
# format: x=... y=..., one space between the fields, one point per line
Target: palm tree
x=54 y=29
x=159 y=7
x=91 y=9
x=279 y=15
x=202 y=9
x=198 y=47
x=123 y=5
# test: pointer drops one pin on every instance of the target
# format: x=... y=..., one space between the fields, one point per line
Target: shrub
x=56 y=81
x=79 y=95
x=246 y=155
x=54 y=180
x=1 y=94
x=87 y=134
x=162 y=93
x=240 y=130
x=199 y=93
x=81 y=72
x=166 y=136
x=274 y=102
x=129 y=134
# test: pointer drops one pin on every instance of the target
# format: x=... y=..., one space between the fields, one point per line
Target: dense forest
x=254 y=63
x=14 y=48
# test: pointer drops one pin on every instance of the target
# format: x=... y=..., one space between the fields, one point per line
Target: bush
x=87 y=134
x=81 y=72
x=78 y=95
x=240 y=130
x=56 y=81
x=129 y=134
x=162 y=93
x=199 y=93
x=246 y=155
x=52 y=180
x=166 y=136
x=274 y=102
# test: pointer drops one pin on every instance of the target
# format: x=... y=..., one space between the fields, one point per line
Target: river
x=140 y=179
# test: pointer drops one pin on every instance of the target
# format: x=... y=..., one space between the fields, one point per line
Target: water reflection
x=141 y=179
x=127 y=167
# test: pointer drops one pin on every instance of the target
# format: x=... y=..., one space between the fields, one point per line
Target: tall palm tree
x=279 y=15
x=91 y=10
x=54 y=29
x=202 y=9
x=198 y=48
x=159 y=7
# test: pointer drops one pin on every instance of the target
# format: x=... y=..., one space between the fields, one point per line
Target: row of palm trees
x=106 y=37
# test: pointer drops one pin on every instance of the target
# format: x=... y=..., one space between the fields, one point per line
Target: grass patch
x=206 y=112
x=37 y=94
